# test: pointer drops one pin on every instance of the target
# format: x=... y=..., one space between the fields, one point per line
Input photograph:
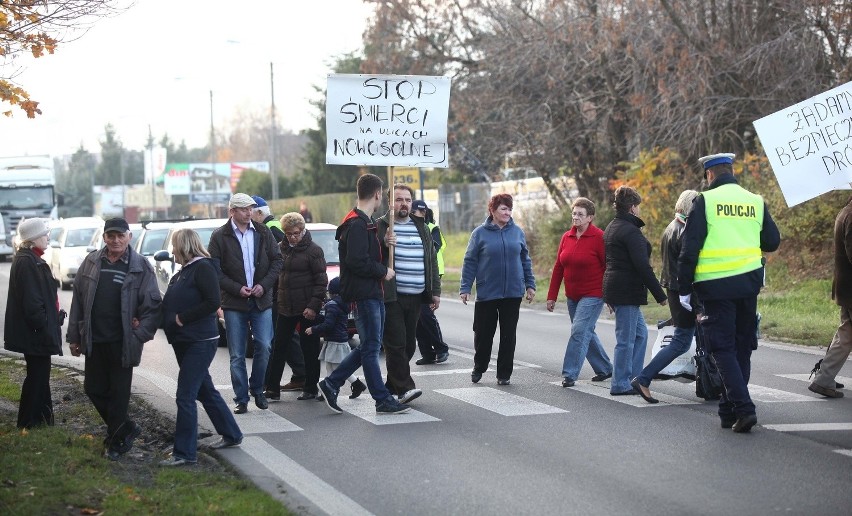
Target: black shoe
x=357 y=388
x=638 y=388
x=112 y=454
x=272 y=395
x=240 y=408
x=601 y=377
x=330 y=396
x=728 y=422
x=502 y=382
x=260 y=401
x=391 y=406
x=442 y=357
x=744 y=424
x=425 y=361
x=307 y=396
x=566 y=382
x=475 y=377
x=126 y=444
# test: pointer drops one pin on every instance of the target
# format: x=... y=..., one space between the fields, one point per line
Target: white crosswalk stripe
x=257 y=421
x=365 y=408
x=601 y=390
x=809 y=427
x=807 y=377
x=500 y=402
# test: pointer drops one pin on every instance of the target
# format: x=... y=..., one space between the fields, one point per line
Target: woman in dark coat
x=626 y=282
x=301 y=292
x=32 y=322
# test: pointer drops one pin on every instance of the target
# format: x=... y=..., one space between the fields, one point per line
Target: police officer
x=721 y=261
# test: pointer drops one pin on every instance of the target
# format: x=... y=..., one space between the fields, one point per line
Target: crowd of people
x=267 y=279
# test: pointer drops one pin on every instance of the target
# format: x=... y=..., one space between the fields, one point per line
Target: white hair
x=264 y=210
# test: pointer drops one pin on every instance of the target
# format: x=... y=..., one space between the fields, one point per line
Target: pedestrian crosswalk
x=601 y=390
x=500 y=402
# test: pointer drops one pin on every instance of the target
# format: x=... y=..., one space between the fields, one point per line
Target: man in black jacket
x=361 y=275
x=249 y=262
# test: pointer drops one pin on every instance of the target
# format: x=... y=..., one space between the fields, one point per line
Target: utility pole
x=213 y=162
x=273 y=176
x=153 y=179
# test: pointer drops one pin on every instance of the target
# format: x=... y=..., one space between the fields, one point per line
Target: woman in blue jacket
x=498 y=260
x=189 y=320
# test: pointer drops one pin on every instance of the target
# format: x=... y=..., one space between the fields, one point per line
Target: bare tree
x=37 y=28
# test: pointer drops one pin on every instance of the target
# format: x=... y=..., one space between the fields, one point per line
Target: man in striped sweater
x=416 y=282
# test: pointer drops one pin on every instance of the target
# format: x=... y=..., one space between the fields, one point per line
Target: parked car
x=152 y=238
x=164 y=261
x=69 y=242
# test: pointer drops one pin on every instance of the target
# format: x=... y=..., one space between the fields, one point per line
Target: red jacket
x=580 y=265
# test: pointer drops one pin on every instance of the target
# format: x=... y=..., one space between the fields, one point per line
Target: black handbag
x=708 y=381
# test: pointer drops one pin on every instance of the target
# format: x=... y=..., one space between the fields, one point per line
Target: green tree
x=109 y=169
x=76 y=183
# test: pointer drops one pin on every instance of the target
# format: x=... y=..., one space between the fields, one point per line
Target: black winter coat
x=841 y=287
x=225 y=250
x=32 y=317
x=628 y=274
x=361 y=269
x=303 y=280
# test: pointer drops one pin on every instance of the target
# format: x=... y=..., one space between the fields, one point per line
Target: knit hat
x=30 y=229
x=334 y=286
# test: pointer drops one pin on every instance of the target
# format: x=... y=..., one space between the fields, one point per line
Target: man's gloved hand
x=684 y=301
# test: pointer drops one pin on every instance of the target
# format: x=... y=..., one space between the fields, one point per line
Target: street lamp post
x=273 y=176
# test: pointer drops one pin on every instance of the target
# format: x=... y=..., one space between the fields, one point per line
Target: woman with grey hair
x=33 y=322
x=627 y=278
x=301 y=292
x=683 y=319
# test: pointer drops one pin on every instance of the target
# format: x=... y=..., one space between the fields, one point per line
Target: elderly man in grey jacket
x=115 y=309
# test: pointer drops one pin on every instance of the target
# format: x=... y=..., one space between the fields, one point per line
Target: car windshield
x=325 y=239
x=204 y=235
x=153 y=241
x=79 y=237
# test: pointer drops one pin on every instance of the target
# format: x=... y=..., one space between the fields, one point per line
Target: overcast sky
x=156 y=63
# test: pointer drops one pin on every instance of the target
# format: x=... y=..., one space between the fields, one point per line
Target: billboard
x=208 y=183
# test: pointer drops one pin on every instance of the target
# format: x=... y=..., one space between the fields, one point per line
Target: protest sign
x=809 y=145
x=387 y=120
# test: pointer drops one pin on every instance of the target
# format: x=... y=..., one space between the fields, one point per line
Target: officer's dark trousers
x=399 y=340
x=730 y=335
x=108 y=384
x=430 y=341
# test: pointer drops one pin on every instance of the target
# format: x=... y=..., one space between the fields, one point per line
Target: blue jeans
x=631 y=339
x=584 y=342
x=236 y=328
x=680 y=343
x=194 y=383
x=370 y=321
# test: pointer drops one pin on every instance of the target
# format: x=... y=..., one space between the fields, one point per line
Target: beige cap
x=31 y=229
x=241 y=200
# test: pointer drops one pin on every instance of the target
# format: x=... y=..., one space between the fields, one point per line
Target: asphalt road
x=533 y=447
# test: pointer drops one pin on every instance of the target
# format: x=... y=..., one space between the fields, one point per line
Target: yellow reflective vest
x=440 y=254
x=734 y=220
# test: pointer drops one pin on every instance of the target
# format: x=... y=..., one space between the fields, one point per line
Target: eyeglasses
x=297 y=234
x=576 y=215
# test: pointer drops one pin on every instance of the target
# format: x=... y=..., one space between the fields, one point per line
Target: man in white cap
x=721 y=260
x=249 y=262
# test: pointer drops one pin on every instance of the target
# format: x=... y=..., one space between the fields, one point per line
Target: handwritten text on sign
x=387 y=120
x=809 y=145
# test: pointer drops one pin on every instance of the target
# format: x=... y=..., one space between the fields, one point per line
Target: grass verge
x=61 y=469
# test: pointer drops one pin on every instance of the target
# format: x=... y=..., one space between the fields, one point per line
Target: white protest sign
x=809 y=145
x=387 y=120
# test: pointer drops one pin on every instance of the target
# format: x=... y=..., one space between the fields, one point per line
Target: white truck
x=27 y=189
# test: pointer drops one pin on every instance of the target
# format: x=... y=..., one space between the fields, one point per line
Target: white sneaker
x=409 y=396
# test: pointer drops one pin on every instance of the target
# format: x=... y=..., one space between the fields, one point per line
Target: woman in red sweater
x=580 y=265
